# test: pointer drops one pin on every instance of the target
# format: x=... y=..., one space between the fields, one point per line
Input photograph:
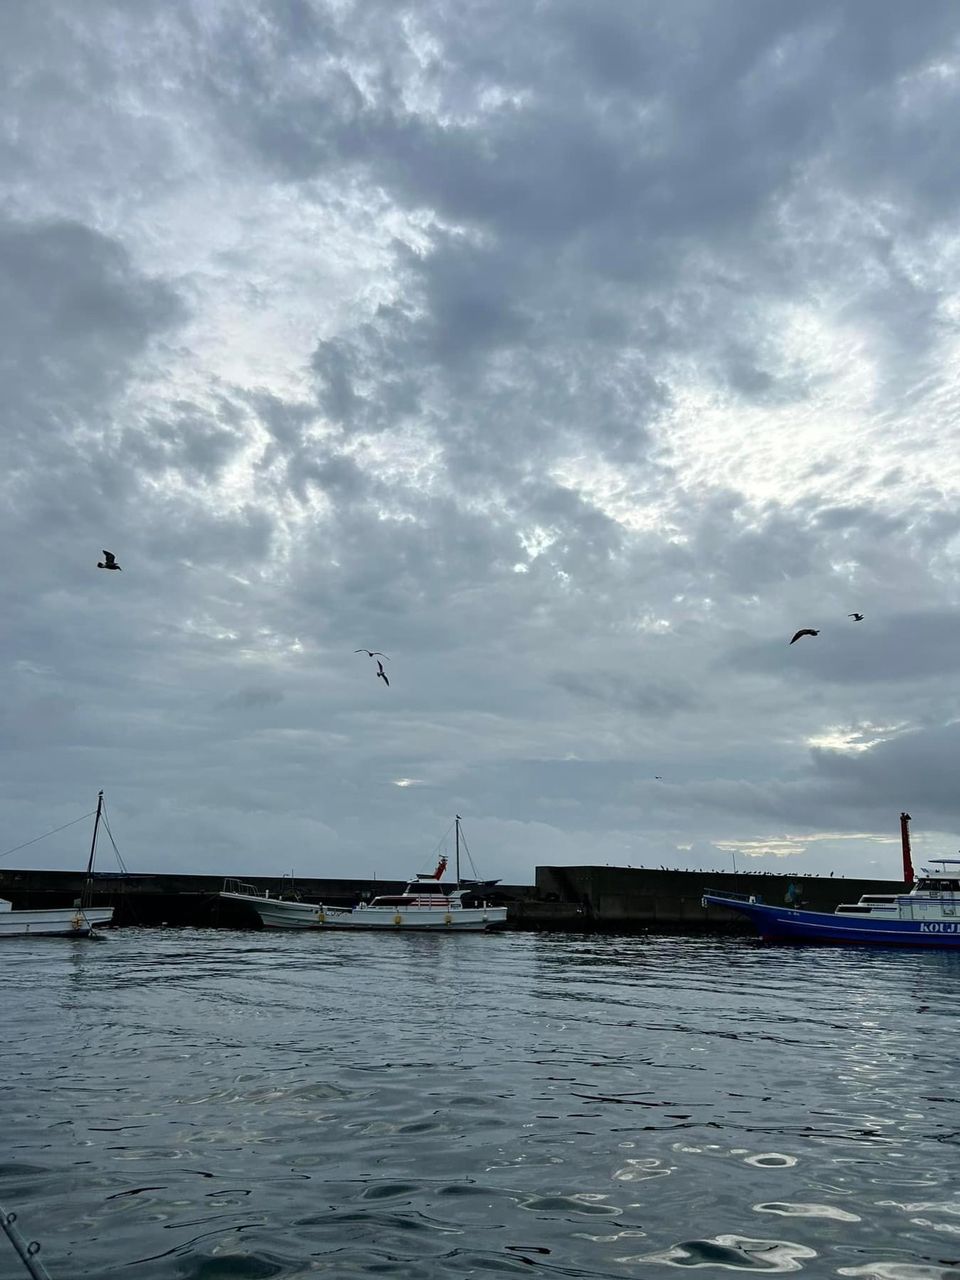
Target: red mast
x=905 y=843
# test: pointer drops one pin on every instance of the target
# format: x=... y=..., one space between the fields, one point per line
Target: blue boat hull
x=787 y=924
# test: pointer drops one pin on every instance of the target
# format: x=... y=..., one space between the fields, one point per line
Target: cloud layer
x=574 y=356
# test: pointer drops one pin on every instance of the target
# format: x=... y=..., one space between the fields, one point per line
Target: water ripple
x=181 y=1103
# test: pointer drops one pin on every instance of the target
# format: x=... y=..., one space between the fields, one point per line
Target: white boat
x=78 y=921
x=425 y=903
x=58 y=922
x=275 y=912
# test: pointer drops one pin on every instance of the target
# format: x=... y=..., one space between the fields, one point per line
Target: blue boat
x=927 y=916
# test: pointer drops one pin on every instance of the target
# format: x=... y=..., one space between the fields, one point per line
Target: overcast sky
x=573 y=354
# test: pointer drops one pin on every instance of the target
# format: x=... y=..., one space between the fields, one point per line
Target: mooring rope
x=106 y=823
x=16 y=847
x=28 y=1252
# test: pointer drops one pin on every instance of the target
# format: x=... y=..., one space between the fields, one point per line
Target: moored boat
x=77 y=921
x=275 y=912
x=927 y=916
x=52 y=922
x=425 y=903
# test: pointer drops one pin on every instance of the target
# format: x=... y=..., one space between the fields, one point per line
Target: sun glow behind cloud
x=788 y=846
x=855 y=738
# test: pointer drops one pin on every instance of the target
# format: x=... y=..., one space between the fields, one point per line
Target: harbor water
x=210 y=1104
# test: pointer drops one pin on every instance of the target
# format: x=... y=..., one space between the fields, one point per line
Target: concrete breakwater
x=171 y=899
x=582 y=898
x=627 y=898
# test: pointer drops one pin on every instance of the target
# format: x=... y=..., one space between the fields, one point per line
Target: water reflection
x=182 y=1103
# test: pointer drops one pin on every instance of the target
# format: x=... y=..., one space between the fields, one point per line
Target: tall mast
x=93 y=847
x=457 y=824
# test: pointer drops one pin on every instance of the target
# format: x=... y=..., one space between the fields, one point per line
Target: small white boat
x=425 y=903
x=78 y=921
x=274 y=912
x=52 y=922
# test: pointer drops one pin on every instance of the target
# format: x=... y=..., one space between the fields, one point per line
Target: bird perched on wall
x=109 y=561
x=381 y=674
x=857 y=617
x=804 y=631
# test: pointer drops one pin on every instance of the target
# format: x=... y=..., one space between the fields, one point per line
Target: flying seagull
x=857 y=617
x=382 y=675
x=109 y=561
x=804 y=631
x=372 y=653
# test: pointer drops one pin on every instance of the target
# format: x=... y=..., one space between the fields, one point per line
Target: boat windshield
x=937 y=884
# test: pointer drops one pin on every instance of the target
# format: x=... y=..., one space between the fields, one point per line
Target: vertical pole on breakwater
x=905 y=845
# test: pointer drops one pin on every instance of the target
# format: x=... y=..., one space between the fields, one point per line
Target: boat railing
x=727 y=893
x=240 y=886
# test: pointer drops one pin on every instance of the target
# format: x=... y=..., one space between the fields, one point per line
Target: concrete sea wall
x=625 y=898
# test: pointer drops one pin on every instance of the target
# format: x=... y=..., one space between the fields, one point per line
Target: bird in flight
x=372 y=653
x=382 y=675
x=109 y=561
x=804 y=631
x=857 y=617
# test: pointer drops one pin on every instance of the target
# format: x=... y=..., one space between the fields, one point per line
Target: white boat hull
x=437 y=920
x=55 y=922
x=278 y=913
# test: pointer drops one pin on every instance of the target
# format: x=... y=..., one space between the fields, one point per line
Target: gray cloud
x=75 y=312
x=649 y=699
x=574 y=356
x=253 y=697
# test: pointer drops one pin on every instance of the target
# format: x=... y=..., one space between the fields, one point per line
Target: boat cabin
x=934 y=884
x=935 y=894
x=424 y=891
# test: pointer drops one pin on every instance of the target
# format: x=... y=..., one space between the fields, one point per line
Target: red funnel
x=905 y=842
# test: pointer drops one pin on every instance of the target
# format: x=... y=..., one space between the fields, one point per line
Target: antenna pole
x=93 y=848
